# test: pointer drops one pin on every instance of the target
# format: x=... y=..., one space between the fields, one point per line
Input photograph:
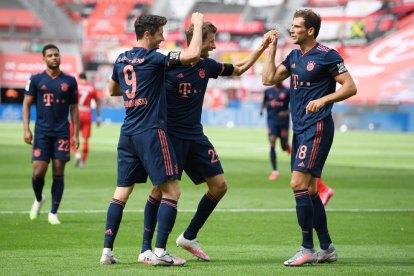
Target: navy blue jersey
x=311 y=77
x=141 y=76
x=186 y=86
x=53 y=95
x=277 y=99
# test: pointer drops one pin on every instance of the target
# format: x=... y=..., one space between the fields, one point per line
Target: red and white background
x=16 y=68
x=384 y=72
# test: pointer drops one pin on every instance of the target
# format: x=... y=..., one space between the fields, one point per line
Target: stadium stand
x=16 y=18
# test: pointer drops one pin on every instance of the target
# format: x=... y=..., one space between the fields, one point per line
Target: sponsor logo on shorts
x=37 y=152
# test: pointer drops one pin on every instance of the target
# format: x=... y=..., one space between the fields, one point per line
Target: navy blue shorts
x=310 y=148
x=197 y=158
x=149 y=153
x=46 y=147
x=280 y=131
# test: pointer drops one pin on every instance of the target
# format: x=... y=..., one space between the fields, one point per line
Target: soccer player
x=87 y=93
x=54 y=94
x=276 y=101
x=144 y=149
x=314 y=71
x=186 y=86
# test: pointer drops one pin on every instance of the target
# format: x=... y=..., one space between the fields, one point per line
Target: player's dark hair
x=148 y=22
x=82 y=76
x=49 y=46
x=208 y=27
x=311 y=18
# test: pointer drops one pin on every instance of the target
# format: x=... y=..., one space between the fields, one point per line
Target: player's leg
x=203 y=164
x=304 y=212
x=284 y=139
x=38 y=182
x=272 y=134
x=181 y=148
x=129 y=171
x=167 y=214
x=162 y=170
x=273 y=158
x=325 y=192
x=86 y=134
x=41 y=155
x=327 y=252
x=320 y=152
x=302 y=146
x=58 y=186
x=113 y=221
x=60 y=155
x=150 y=222
x=217 y=188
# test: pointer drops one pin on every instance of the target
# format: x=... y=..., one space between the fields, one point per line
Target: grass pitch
x=252 y=231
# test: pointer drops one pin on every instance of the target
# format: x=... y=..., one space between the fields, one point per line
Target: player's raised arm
x=271 y=73
x=192 y=52
x=27 y=133
x=244 y=64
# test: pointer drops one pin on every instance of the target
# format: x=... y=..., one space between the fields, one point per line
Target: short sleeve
x=286 y=62
x=31 y=87
x=167 y=58
x=335 y=63
x=215 y=68
x=74 y=92
x=115 y=77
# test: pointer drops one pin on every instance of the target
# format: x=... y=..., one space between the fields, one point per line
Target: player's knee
x=122 y=193
x=223 y=187
x=312 y=190
x=297 y=185
x=39 y=173
x=170 y=189
x=172 y=194
x=219 y=189
x=156 y=193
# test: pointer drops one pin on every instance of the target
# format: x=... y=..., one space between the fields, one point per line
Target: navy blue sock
x=57 y=192
x=304 y=212
x=273 y=158
x=37 y=184
x=150 y=221
x=167 y=212
x=204 y=209
x=320 y=222
x=113 y=220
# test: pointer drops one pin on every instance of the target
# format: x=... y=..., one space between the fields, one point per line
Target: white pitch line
x=281 y=210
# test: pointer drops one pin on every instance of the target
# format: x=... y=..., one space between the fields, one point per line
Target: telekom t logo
x=295 y=81
x=48 y=99
x=184 y=88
